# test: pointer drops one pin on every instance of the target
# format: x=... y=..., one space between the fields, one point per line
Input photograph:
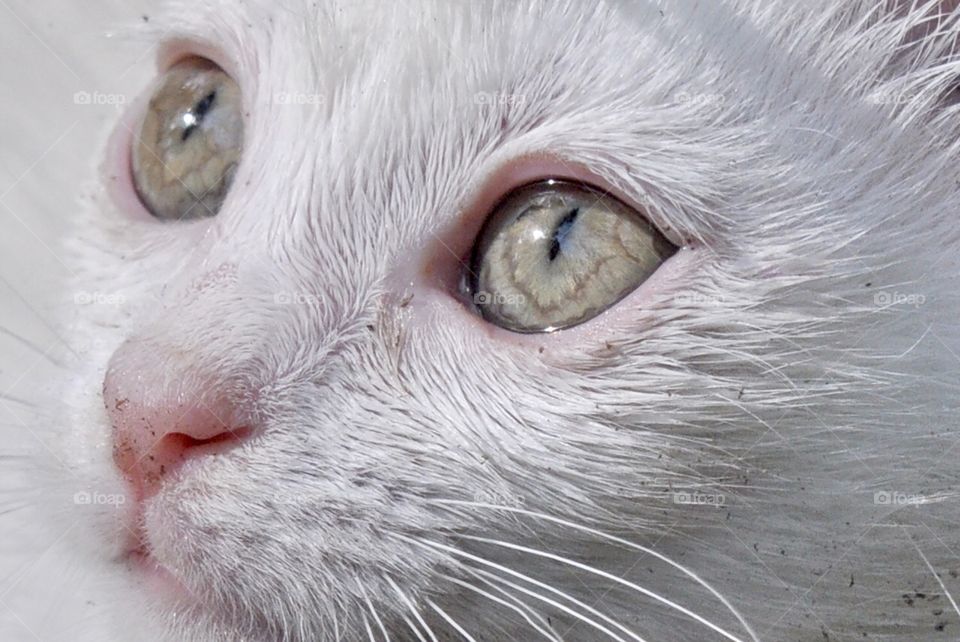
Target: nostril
x=176 y=448
x=146 y=465
x=217 y=443
x=160 y=422
x=185 y=447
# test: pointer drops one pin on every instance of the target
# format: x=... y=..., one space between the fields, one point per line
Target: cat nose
x=162 y=419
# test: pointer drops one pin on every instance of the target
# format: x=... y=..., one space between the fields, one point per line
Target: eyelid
x=177 y=50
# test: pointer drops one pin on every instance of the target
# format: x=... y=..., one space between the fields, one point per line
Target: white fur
x=805 y=151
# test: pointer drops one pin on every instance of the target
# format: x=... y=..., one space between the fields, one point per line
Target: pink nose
x=161 y=420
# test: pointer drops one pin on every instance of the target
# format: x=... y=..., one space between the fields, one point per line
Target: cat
x=330 y=403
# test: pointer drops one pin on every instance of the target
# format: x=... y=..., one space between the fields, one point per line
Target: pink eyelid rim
x=446 y=258
x=178 y=49
x=116 y=171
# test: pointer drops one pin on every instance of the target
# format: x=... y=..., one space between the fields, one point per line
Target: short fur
x=417 y=472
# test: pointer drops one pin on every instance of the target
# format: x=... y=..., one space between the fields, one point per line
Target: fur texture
x=419 y=475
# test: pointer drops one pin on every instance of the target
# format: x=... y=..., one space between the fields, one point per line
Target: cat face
x=320 y=432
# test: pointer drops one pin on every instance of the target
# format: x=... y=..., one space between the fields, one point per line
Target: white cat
x=508 y=321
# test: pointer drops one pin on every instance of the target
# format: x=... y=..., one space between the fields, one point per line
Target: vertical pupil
x=563 y=229
x=194 y=117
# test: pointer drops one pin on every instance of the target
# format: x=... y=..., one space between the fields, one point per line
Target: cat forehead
x=340 y=41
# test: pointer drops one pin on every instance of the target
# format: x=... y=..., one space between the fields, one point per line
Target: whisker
x=538 y=596
x=413 y=628
x=623 y=542
x=23 y=402
x=413 y=609
x=7 y=510
x=39 y=316
x=550 y=635
x=450 y=621
x=562 y=607
x=373 y=611
x=548 y=626
x=943 y=586
x=32 y=346
x=366 y=625
x=607 y=576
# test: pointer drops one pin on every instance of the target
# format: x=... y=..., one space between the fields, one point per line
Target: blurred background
x=66 y=71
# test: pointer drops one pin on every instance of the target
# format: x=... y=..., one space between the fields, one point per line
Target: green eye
x=554 y=254
x=189 y=143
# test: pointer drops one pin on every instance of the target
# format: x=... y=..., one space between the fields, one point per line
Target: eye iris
x=190 y=142
x=556 y=254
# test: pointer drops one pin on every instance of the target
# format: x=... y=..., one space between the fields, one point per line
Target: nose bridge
x=171 y=391
x=197 y=324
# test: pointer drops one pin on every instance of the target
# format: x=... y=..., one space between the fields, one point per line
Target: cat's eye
x=188 y=147
x=554 y=254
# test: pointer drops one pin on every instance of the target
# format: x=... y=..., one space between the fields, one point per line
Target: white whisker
x=562 y=607
x=366 y=625
x=547 y=633
x=585 y=529
x=413 y=628
x=373 y=611
x=607 y=576
x=943 y=586
x=547 y=626
x=540 y=597
x=413 y=609
x=450 y=621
